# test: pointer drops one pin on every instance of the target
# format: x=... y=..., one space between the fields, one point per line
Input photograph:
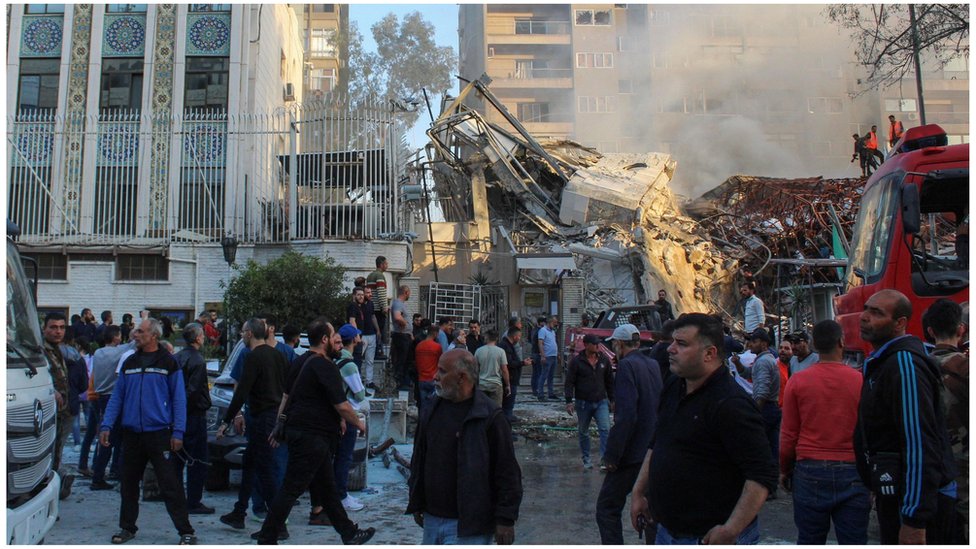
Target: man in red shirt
x=427 y=354
x=816 y=448
x=783 y=363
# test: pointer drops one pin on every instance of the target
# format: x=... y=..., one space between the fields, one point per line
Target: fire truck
x=911 y=233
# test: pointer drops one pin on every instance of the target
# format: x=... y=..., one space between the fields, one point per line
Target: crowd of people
x=702 y=433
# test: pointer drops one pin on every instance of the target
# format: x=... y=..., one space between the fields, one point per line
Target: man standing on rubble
x=753 y=310
x=549 y=352
x=895 y=131
x=872 y=145
x=664 y=308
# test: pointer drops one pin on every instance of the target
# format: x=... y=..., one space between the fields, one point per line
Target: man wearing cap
x=636 y=392
x=764 y=375
x=589 y=379
x=803 y=356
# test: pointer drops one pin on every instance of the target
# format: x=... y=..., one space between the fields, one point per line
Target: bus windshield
x=23 y=330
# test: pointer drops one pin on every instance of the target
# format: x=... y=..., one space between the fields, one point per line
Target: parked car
x=645 y=317
x=228 y=452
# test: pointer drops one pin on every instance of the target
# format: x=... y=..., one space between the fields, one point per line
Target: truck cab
x=32 y=486
x=911 y=233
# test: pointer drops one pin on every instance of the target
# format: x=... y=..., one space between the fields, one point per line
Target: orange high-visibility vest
x=872 y=142
x=897 y=130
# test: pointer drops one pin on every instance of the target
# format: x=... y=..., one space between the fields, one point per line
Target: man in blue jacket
x=150 y=398
x=637 y=391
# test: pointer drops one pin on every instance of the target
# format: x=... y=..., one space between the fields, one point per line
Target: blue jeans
x=537 y=367
x=76 y=429
x=772 y=416
x=342 y=461
x=442 y=531
x=586 y=410
x=749 y=536
x=825 y=491
x=426 y=393
x=94 y=417
x=546 y=375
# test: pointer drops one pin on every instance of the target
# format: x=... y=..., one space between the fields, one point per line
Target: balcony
x=533 y=78
x=527 y=31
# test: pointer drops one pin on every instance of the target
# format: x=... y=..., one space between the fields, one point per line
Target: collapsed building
x=552 y=226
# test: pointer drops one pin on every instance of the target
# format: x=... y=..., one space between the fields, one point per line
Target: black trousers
x=194 y=445
x=399 y=347
x=941 y=529
x=153 y=447
x=610 y=503
x=259 y=457
x=309 y=454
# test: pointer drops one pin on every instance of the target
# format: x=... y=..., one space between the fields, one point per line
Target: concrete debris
x=615 y=212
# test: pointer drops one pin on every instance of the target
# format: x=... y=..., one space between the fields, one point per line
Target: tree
x=882 y=36
x=295 y=288
x=406 y=61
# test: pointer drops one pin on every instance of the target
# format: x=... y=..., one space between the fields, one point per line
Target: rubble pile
x=754 y=219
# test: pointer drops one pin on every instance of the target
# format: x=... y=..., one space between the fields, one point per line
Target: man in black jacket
x=194 y=454
x=589 y=382
x=636 y=392
x=901 y=444
x=464 y=432
x=511 y=343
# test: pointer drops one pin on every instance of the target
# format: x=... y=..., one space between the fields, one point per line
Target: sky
x=444 y=17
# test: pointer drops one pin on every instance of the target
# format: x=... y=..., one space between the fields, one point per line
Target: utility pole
x=918 y=65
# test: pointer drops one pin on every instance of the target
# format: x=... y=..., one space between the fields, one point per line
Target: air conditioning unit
x=289 y=94
x=913 y=116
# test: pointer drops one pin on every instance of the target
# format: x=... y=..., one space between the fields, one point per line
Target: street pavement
x=558 y=506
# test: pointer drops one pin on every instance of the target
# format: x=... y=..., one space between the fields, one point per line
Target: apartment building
x=771 y=90
x=323 y=26
x=140 y=137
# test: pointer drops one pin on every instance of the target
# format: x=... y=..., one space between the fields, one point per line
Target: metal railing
x=530 y=73
x=327 y=170
x=541 y=27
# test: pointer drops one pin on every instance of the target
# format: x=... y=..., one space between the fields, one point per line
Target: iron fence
x=327 y=170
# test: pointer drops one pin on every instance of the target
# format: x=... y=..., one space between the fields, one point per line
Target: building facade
x=768 y=90
x=140 y=136
x=323 y=29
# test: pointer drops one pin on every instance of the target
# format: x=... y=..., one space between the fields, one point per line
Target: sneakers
x=101 y=485
x=66 y=483
x=234 y=519
x=352 y=504
x=188 y=539
x=201 y=509
x=360 y=537
x=587 y=464
x=603 y=466
x=259 y=516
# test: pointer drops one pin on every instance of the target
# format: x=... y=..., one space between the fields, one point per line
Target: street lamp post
x=229 y=246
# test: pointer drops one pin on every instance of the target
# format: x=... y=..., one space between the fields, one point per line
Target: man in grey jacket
x=104 y=373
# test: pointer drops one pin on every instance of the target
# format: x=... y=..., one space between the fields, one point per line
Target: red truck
x=911 y=233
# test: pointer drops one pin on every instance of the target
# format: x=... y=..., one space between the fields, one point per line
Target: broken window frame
x=593 y=18
x=588 y=60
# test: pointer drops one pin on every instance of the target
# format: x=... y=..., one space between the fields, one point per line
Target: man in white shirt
x=753 y=311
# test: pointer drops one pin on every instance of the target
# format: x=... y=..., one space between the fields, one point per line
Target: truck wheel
x=218 y=477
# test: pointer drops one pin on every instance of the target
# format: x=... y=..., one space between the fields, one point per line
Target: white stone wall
x=275 y=59
x=190 y=285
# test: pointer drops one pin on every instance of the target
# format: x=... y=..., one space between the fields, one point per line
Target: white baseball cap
x=625 y=332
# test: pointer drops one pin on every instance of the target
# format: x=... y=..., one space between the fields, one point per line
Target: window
x=625 y=86
x=209 y=7
x=658 y=17
x=206 y=83
x=533 y=112
x=956 y=65
x=115 y=200
x=38 y=86
x=594 y=60
x=323 y=80
x=201 y=198
x=121 y=84
x=623 y=43
x=138 y=267
x=49 y=266
x=828 y=105
x=44 y=8
x=600 y=104
x=901 y=105
x=593 y=17
x=125 y=8
x=322 y=43
x=323 y=8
